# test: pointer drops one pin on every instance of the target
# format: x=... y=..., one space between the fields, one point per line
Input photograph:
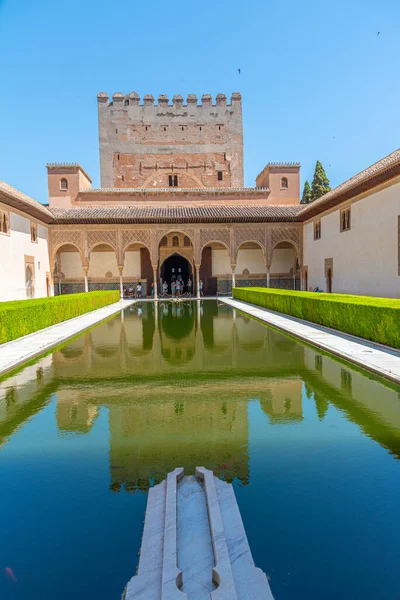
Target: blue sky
x=317 y=81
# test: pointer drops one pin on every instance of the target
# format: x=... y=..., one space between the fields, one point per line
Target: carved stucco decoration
x=284 y=234
x=61 y=238
x=101 y=236
x=136 y=236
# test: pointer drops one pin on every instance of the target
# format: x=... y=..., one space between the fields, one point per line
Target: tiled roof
x=14 y=198
x=385 y=169
x=206 y=191
x=174 y=214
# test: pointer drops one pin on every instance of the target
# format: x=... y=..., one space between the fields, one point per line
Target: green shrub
x=375 y=319
x=20 y=317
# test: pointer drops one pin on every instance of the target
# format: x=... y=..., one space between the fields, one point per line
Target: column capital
x=85 y=270
x=120 y=269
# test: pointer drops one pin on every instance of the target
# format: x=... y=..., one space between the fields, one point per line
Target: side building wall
x=365 y=259
x=25 y=269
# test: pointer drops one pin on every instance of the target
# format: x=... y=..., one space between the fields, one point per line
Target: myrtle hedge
x=375 y=319
x=20 y=317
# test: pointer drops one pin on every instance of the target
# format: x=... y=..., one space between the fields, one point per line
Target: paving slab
x=23 y=349
x=378 y=359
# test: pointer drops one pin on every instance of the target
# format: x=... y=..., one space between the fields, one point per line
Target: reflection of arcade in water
x=177 y=384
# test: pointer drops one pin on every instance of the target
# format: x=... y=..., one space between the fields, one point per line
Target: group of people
x=132 y=293
x=178 y=286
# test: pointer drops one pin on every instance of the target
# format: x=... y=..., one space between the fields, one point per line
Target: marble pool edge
x=17 y=352
x=378 y=359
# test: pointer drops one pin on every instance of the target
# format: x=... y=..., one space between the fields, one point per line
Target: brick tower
x=167 y=145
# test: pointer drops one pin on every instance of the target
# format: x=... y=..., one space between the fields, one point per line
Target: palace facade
x=172 y=200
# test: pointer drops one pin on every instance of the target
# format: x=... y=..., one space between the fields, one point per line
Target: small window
x=200 y=128
x=219 y=175
x=173 y=180
x=186 y=241
x=126 y=102
x=123 y=178
x=116 y=131
x=183 y=128
x=64 y=184
x=146 y=128
x=165 y=129
x=33 y=232
x=284 y=183
x=317 y=230
x=118 y=156
x=345 y=220
x=163 y=242
x=175 y=241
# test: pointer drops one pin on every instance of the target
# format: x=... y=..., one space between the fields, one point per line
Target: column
x=197 y=281
x=85 y=271
x=155 y=284
x=268 y=278
x=233 y=277
x=121 y=283
x=294 y=281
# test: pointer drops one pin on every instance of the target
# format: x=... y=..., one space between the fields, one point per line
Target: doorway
x=172 y=267
x=329 y=281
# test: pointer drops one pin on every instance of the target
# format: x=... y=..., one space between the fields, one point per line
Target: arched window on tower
x=284 y=183
x=64 y=184
x=175 y=241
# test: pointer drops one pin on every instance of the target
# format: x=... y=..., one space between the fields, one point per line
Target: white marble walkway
x=15 y=353
x=379 y=359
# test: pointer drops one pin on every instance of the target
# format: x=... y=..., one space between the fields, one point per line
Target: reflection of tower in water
x=149 y=438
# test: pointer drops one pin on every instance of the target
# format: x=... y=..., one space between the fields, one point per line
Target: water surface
x=311 y=445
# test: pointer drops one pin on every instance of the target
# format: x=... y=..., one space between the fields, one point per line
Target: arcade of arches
x=89 y=258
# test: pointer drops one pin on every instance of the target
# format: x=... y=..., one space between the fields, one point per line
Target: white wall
x=132 y=264
x=13 y=248
x=221 y=264
x=365 y=258
x=251 y=259
x=102 y=262
x=71 y=265
x=282 y=260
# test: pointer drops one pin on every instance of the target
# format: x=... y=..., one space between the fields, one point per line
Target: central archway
x=172 y=267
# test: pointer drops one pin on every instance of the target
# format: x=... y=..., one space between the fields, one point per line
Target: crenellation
x=177 y=101
x=133 y=99
x=148 y=100
x=117 y=97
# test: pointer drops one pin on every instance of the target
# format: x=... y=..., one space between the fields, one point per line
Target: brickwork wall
x=140 y=145
x=153 y=170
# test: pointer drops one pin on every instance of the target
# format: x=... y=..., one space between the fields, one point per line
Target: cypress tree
x=320 y=184
x=306 y=194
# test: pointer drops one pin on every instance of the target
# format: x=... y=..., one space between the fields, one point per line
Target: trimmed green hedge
x=375 y=319
x=20 y=317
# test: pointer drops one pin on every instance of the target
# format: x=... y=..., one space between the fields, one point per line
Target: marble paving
x=381 y=360
x=194 y=544
x=23 y=349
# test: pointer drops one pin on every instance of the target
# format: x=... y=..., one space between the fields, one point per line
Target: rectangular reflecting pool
x=311 y=445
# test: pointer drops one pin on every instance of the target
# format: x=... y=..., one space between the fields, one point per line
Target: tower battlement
x=133 y=100
x=148 y=143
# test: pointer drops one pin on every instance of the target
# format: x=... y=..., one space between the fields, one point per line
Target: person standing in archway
x=189 y=286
